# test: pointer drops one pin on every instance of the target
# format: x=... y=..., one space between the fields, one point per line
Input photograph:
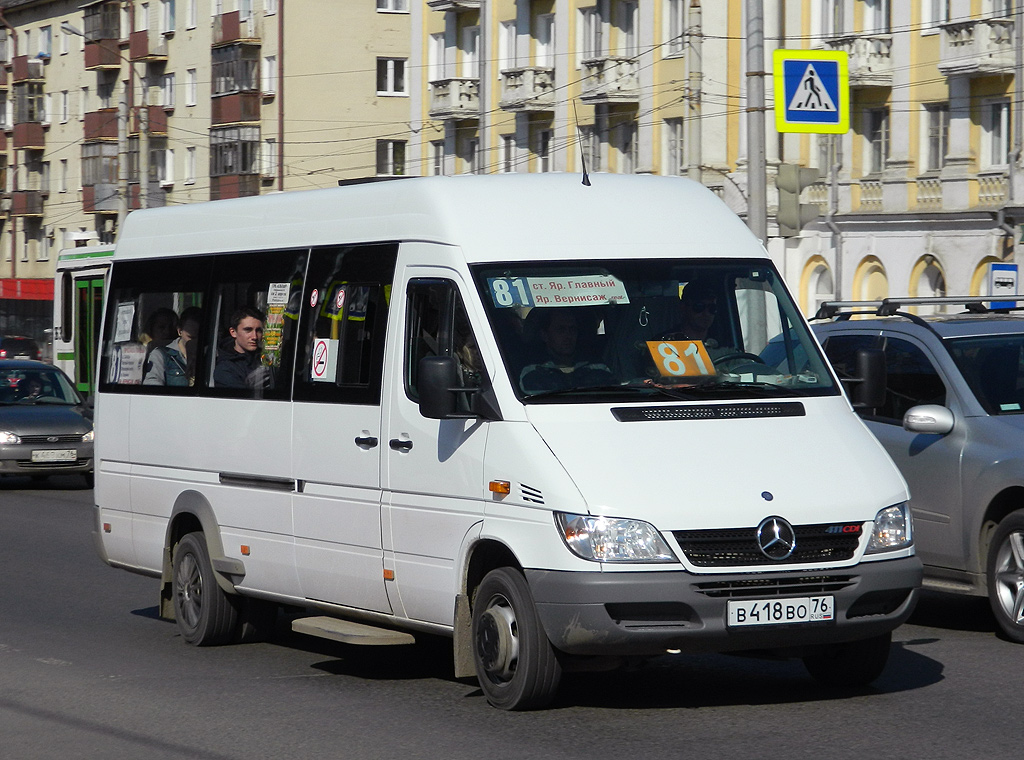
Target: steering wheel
x=739 y=355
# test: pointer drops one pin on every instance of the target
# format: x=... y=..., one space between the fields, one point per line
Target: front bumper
x=16 y=459
x=647 y=613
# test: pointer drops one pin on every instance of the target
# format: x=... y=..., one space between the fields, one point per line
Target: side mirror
x=867 y=389
x=928 y=418
x=437 y=379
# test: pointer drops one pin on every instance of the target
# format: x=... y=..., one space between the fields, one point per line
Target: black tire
x=515 y=663
x=1005 y=575
x=852 y=663
x=206 y=616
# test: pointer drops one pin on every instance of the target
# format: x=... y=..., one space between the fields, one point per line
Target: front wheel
x=852 y=663
x=1006 y=576
x=515 y=663
x=205 y=614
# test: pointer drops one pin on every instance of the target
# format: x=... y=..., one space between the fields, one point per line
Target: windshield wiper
x=587 y=389
x=751 y=385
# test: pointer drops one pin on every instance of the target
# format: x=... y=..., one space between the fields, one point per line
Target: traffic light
x=792 y=214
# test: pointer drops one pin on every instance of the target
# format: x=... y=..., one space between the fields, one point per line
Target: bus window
x=345 y=323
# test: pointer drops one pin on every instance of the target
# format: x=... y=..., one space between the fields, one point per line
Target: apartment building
x=234 y=97
x=107 y=106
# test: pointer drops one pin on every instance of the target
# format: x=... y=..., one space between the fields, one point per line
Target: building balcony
x=614 y=79
x=27 y=203
x=102 y=55
x=870 y=58
x=454 y=5
x=147 y=46
x=234 y=186
x=3 y=141
x=978 y=47
x=3 y=77
x=29 y=135
x=455 y=98
x=25 y=69
x=156 y=196
x=100 y=125
x=231 y=27
x=236 y=108
x=528 y=88
x=100 y=199
x=157 y=121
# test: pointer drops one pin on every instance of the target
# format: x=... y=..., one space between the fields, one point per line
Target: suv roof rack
x=888 y=307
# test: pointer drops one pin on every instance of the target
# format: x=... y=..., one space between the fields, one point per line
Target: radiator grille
x=736 y=547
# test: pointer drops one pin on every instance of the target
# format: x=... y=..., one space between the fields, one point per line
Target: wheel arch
x=1005 y=502
x=192 y=513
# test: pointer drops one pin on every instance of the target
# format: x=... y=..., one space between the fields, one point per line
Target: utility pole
x=695 y=35
x=757 y=212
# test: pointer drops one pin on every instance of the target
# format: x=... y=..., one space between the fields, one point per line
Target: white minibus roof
x=503 y=217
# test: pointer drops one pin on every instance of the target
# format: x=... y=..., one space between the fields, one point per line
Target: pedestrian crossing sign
x=812 y=91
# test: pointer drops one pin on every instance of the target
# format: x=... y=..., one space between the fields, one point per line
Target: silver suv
x=952 y=419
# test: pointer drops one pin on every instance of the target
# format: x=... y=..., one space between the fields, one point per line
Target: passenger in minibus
x=160 y=328
x=697 y=307
x=562 y=365
x=174 y=364
x=238 y=361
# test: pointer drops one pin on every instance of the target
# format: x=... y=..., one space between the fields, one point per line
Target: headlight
x=893 y=529
x=89 y=437
x=8 y=437
x=606 y=539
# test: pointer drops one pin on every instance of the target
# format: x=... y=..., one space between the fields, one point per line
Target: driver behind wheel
x=698 y=306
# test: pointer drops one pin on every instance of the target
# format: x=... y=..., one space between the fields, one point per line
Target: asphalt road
x=88 y=671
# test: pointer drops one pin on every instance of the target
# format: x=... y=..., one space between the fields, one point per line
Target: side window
x=156 y=322
x=437 y=325
x=841 y=351
x=912 y=380
x=254 y=305
x=344 y=324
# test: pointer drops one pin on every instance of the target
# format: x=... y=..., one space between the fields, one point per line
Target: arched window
x=816 y=285
x=927 y=280
x=870 y=283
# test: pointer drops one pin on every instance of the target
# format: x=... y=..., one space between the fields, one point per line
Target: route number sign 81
x=681 y=358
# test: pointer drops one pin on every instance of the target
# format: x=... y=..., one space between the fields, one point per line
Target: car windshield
x=36 y=386
x=993 y=367
x=680 y=329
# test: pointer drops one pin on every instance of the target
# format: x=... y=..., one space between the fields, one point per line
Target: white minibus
x=567 y=426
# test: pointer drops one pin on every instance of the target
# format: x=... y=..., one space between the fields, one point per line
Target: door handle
x=366 y=441
x=400 y=445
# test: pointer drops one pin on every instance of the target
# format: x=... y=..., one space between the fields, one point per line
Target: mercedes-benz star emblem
x=776 y=538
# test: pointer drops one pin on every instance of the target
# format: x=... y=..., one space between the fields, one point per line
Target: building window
x=5 y=51
x=878 y=16
x=191 y=88
x=626 y=143
x=877 y=139
x=244 y=10
x=142 y=18
x=102 y=22
x=46 y=42
x=268 y=82
x=435 y=58
x=190 y=166
x=508 y=153
x=392 y=6
x=235 y=68
x=506 y=47
x=937 y=137
x=390 y=157
x=162 y=163
x=83 y=104
x=391 y=76
x=63 y=175
x=933 y=13
x=591 y=35
x=234 y=150
x=168 y=14
x=676 y=30
x=470 y=68
x=471 y=156
x=591 y=139
x=192 y=13
x=675 y=159
x=543 y=150
x=270 y=7
x=437 y=158
x=65 y=106
x=29 y=102
x=167 y=90
x=99 y=165
x=628 y=12
x=64 y=42
x=268 y=161
x=996 y=134
x=998 y=8
x=545 y=41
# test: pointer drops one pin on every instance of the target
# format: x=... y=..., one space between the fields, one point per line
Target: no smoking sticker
x=321 y=359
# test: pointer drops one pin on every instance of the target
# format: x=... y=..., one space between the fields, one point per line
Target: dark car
x=44 y=428
x=17 y=347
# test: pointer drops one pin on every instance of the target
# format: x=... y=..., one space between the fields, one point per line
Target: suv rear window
x=18 y=348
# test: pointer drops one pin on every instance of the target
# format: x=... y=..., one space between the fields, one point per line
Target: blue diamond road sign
x=812 y=91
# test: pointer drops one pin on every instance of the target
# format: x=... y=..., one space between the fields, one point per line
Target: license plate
x=54 y=455
x=807 y=609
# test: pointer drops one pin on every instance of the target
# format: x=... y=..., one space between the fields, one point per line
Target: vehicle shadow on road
x=953 y=612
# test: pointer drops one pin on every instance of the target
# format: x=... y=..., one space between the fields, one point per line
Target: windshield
x=36 y=386
x=682 y=329
x=993 y=367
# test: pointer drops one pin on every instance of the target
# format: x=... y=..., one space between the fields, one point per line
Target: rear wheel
x=205 y=614
x=1006 y=576
x=515 y=663
x=851 y=663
